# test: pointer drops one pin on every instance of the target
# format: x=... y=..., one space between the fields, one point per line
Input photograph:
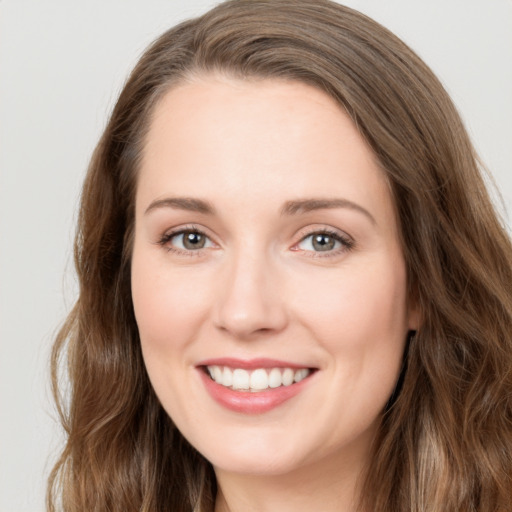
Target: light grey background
x=62 y=65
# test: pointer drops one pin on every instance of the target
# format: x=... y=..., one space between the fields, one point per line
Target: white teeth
x=227 y=377
x=288 y=377
x=240 y=379
x=217 y=373
x=300 y=375
x=274 y=378
x=257 y=380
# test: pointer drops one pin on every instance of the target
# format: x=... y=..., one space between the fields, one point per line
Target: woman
x=294 y=290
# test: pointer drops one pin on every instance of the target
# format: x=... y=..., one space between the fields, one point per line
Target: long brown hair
x=445 y=441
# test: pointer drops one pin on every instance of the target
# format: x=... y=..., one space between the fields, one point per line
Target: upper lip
x=251 y=364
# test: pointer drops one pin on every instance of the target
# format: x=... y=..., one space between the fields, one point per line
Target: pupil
x=323 y=242
x=192 y=240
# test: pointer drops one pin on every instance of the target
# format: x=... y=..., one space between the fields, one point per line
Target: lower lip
x=249 y=402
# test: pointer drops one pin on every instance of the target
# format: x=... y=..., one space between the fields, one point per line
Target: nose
x=250 y=300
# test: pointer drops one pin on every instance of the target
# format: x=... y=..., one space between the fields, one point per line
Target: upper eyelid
x=184 y=228
x=308 y=231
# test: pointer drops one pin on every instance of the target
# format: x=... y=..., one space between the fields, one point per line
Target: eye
x=186 y=240
x=324 y=241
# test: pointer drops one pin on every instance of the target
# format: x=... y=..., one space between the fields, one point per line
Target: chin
x=262 y=465
x=252 y=454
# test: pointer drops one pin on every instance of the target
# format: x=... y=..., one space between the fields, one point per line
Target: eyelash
x=167 y=237
x=347 y=243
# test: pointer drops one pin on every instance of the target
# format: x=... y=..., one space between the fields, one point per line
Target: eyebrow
x=182 y=203
x=290 y=207
x=309 y=205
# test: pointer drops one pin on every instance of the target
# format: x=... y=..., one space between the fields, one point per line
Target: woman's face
x=267 y=254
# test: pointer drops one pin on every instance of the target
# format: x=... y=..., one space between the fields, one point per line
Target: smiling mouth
x=259 y=379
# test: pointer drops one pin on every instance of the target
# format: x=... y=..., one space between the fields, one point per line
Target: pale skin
x=265 y=229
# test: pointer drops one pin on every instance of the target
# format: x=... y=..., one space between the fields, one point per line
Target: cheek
x=359 y=318
x=168 y=307
x=361 y=323
x=355 y=308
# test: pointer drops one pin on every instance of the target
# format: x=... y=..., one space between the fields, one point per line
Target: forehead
x=250 y=140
